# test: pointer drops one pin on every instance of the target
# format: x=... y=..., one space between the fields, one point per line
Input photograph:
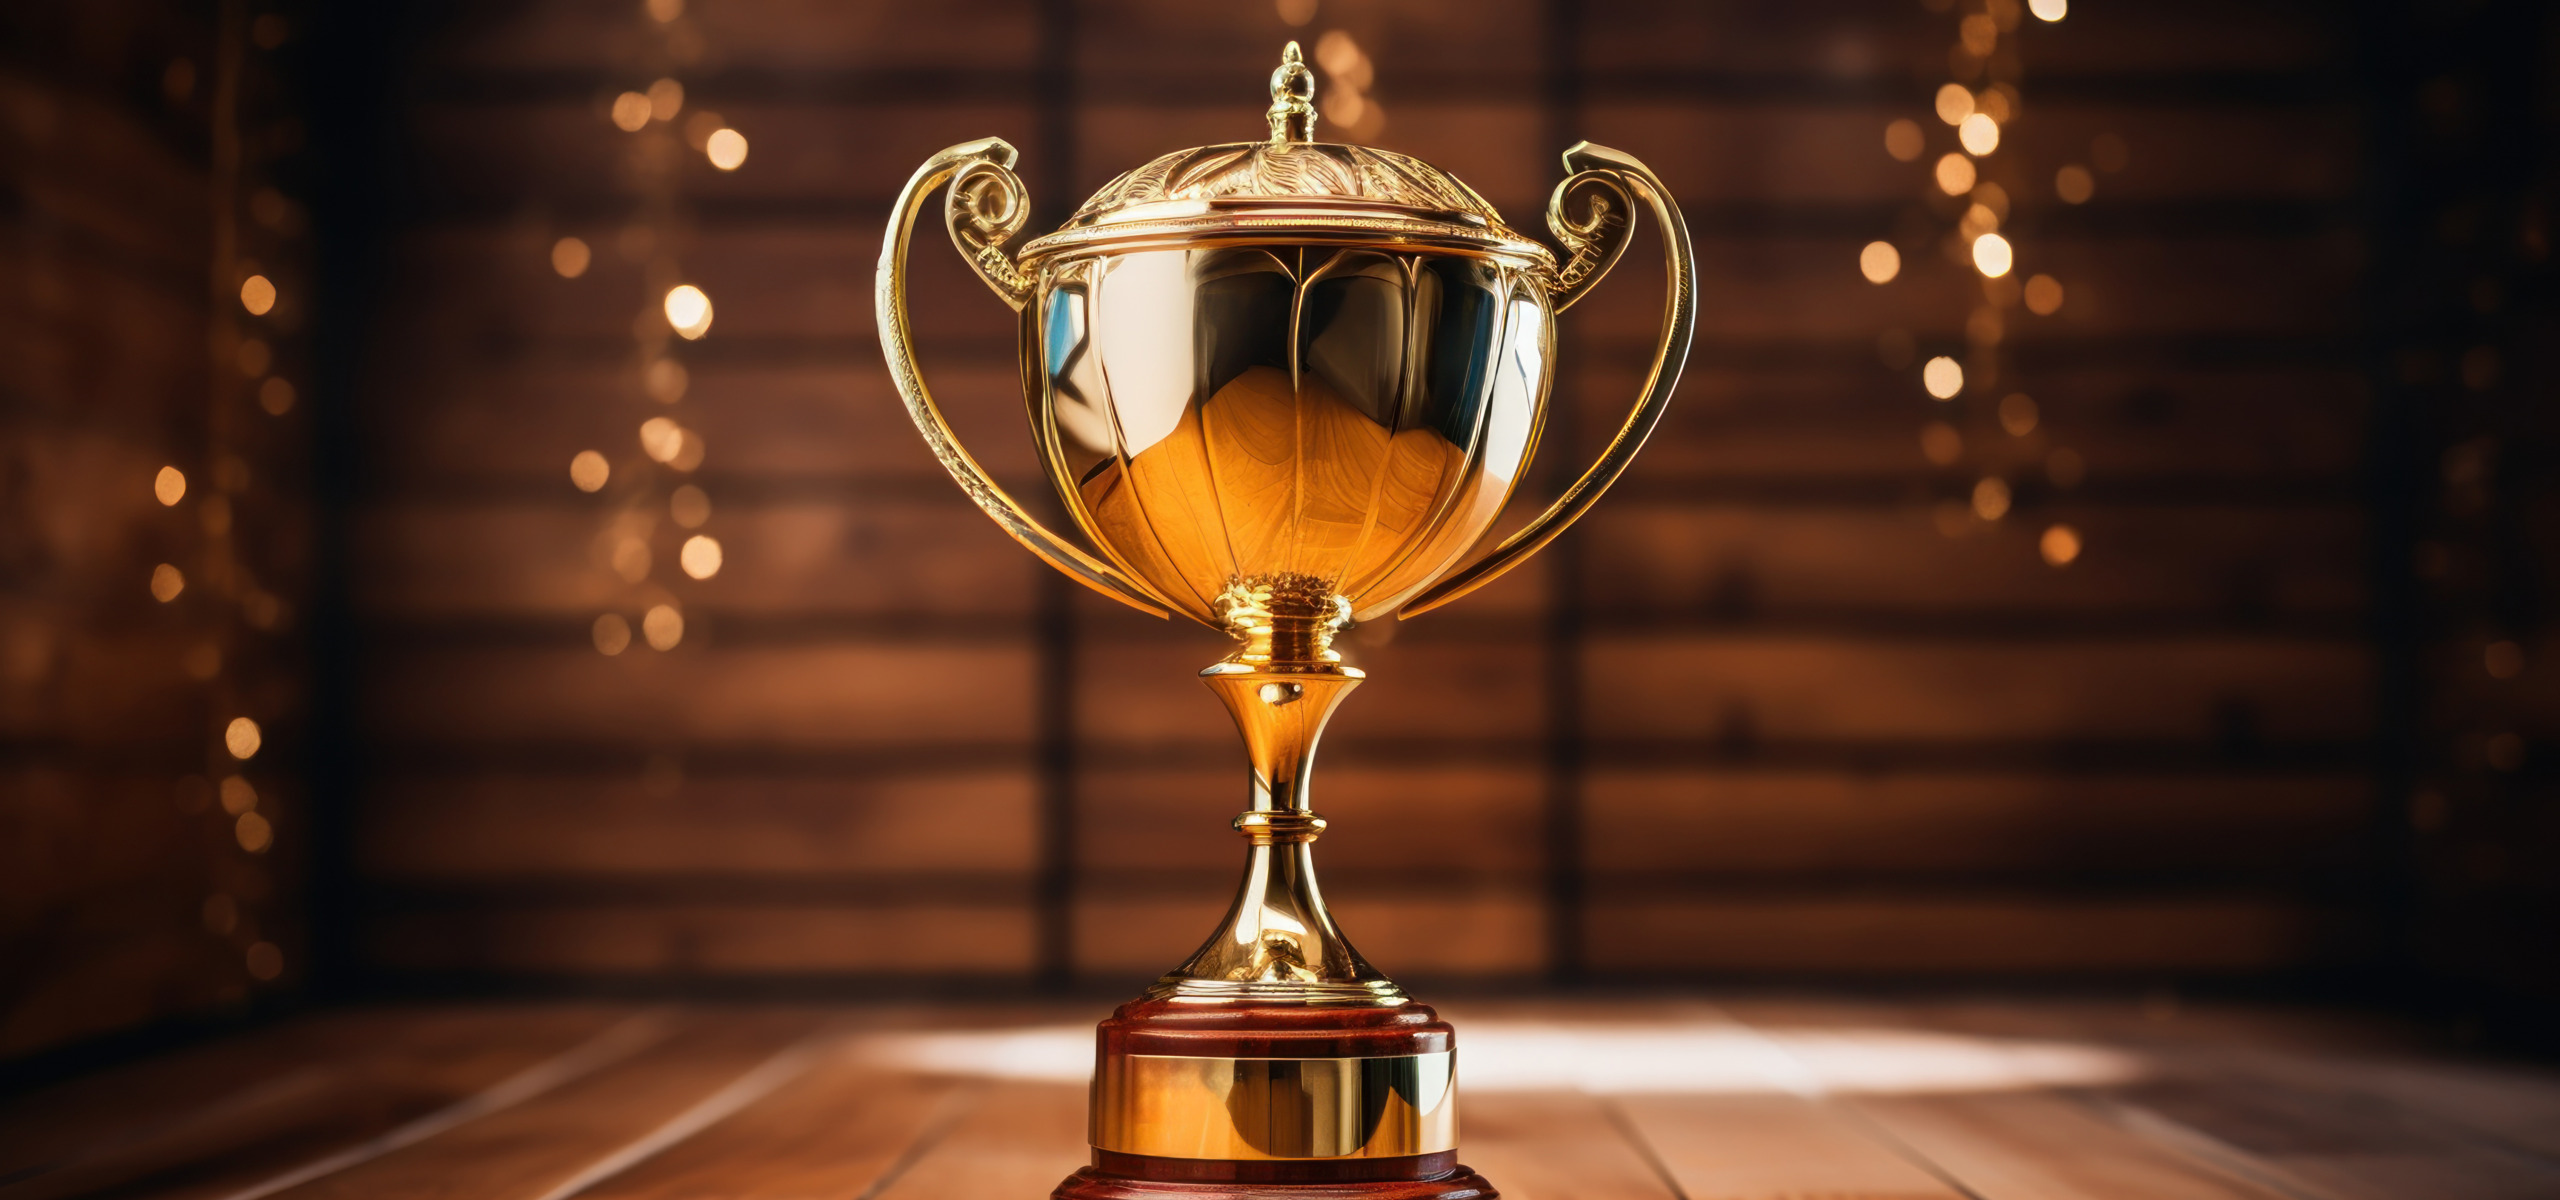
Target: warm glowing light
x=2018 y=414
x=2065 y=468
x=666 y=99
x=254 y=357
x=1998 y=102
x=665 y=380
x=1954 y=104
x=2503 y=660
x=631 y=559
x=1978 y=219
x=631 y=112
x=166 y=583
x=242 y=738
x=1991 y=498
x=726 y=148
x=661 y=438
x=589 y=471
x=689 y=506
x=1295 y=13
x=1980 y=34
x=665 y=11
x=1955 y=174
x=2044 y=295
x=1940 y=443
x=2060 y=545
x=255 y=834
x=264 y=961
x=1902 y=140
x=1980 y=134
x=612 y=634
x=1991 y=255
x=700 y=556
x=688 y=311
x=276 y=396
x=170 y=485
x=2074 y=184
x=1880 y=262
x=237 y=796
x=258 y=295
x=1943 y=377
x=2049 y=10
x=663 y=626
x=570 y=256
x=689 y=450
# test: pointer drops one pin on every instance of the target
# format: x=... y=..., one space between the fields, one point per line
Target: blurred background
x=460 y=537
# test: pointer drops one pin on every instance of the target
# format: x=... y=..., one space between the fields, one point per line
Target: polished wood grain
x=1751 y=1097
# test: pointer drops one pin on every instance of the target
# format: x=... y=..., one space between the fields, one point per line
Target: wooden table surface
x=1655 y=1099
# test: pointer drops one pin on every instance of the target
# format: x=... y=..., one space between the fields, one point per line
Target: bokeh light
x=631 y=112
x=663 y=626
x=242 y=738
x=2074 y=184
x=1943 y=377
x=276 y=395
x=258 y=295
x=1955 y=174
x=726 y=148
x=2049 y=10
x=570 y=256
x=688 y=311
x=661 y=438
x=2044 y=295
x=169 y=486
x=690 y=506
x=1941 y=444
x=1879 y=262
x=700 y=556
x=2018 y=414
x=2060 y=545
x=1991 y=498
x=1991 y=255
x=589 y=471
x=666 y=99
x=612 y=634
x=254 y=832
x=1980 y=134
x=166 y=582
x=1954 y=103
x=1902 y=140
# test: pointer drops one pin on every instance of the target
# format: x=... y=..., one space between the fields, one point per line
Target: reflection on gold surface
x=1276 y=1108
x=1352 y=417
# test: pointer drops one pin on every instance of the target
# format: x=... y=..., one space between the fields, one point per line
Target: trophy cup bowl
x=1282 y=387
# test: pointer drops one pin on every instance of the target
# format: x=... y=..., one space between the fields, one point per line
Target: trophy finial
x=1293 y=92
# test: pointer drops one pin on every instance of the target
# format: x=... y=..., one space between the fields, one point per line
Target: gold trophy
x=1283 y=386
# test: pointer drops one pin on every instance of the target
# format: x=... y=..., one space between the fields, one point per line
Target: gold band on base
x=1171 y=1106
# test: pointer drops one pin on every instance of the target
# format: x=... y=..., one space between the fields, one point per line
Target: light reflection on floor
x=1697 y=1057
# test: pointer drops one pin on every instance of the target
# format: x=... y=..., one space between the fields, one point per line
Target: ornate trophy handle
x=987 y=206
x=1596 y=241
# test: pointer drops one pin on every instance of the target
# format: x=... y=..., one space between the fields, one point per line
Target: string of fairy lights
x=655 y=500
x=1970 y=196
x=230 y=587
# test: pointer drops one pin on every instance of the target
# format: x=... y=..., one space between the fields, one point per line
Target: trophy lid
x=1289 y=187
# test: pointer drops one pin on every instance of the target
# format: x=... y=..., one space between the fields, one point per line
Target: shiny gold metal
x=1282 y=386
x=1276 y=1108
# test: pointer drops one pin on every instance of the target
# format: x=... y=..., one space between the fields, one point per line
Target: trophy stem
x=1278 y=942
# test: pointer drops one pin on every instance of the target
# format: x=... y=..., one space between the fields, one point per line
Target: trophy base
x=1217 y=1180
x=1223 y=1098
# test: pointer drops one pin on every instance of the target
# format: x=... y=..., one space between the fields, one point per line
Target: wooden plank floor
x=1706 y=1098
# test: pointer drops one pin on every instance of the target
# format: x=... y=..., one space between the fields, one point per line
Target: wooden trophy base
x=1250 y=1031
